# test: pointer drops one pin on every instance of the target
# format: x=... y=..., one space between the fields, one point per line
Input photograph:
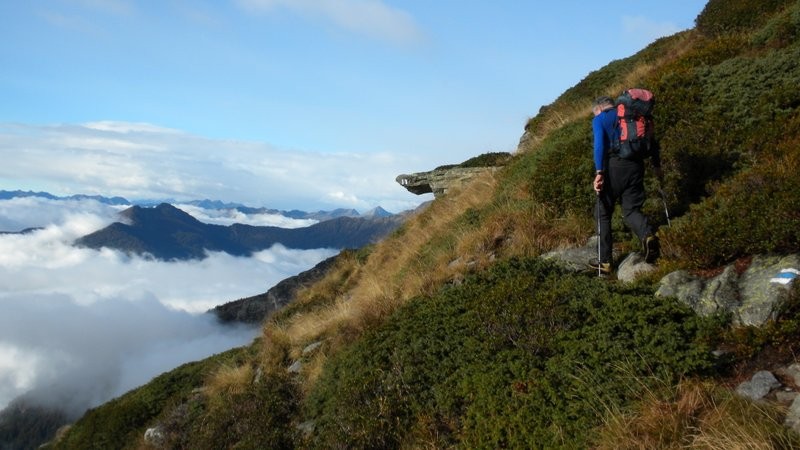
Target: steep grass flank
x=519 y=356
x=451 y=334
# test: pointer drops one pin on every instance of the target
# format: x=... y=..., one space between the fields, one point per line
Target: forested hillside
x=453 y=333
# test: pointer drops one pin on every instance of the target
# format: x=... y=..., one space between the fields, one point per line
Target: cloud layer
x=80 y=326
x=143 y=161
x=230 y=216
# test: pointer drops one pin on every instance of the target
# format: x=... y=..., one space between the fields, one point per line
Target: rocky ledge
x=751 y=292
x=439 y=181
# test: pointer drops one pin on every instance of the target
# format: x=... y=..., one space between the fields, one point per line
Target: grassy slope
x=450 y=333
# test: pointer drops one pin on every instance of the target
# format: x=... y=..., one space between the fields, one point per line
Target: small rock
x=311 y=347
x=785 y=397
x=759 y=386
x=295 y=367
x=632 y=267
x=574 y=259
x=792 y=372
x=719 y=353
x=793 y=416
x=307 y=427
x=154 y=436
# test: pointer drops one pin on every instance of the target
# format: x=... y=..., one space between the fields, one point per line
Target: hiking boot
x=600 y=268
x=652 y=249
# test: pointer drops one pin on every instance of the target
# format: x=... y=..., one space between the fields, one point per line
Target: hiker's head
x=601 y=104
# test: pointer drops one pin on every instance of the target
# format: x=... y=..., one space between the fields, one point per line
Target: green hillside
x=452 y=333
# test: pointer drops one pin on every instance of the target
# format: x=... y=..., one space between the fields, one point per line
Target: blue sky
x=288 y=103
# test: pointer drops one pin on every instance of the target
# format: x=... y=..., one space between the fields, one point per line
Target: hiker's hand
x=598 y=182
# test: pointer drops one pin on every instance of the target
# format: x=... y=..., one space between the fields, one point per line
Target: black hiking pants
x=623 y=182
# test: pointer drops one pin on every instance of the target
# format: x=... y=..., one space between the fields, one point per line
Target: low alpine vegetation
x=520 y=356
x=451 y=333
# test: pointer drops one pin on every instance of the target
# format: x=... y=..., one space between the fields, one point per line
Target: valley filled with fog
x=81 y=326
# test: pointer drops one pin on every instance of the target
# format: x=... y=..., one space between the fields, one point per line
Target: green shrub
x=599 y=82
x=487 y=160
x=490 y=159
x=715 y=120
x=781 y=30
x=753 y=213
x=561 y=170
x=519 y=356
x=726 y=16
x=259 y=417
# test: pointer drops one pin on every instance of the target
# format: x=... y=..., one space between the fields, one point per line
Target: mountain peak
x=377 y=212
x=162 y=214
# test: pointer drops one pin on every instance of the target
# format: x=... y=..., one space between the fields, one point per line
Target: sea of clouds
x=136 y=160
x=81 y=326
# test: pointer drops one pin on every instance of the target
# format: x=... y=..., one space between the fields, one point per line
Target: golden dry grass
x=695 y=415
x=229 y=380
x=357 y=296
x=432 y=249
x=562 y=113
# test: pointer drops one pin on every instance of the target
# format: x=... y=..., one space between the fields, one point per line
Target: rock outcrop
x=577 y=260
x=764 y=386
x=752 y=298
x=439 y=181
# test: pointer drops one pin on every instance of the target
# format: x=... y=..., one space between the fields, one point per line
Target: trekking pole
x=664 y=200
x=597 y=207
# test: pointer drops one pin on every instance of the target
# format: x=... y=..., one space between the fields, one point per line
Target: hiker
x=619 y=179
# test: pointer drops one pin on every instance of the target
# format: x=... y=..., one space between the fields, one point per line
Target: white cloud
x=343 y=197
x=231 y=216
x=19 y=213
x=368 y=17
x=80 y=326
x=76 y=356
x=141 y=161
x=647 y=29
x=128 y=127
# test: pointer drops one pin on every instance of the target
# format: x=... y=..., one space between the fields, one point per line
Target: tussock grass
x=695 y=415
x=229 y=380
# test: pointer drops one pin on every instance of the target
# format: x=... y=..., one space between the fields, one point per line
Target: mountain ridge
x=169 y=233
x=320 y=215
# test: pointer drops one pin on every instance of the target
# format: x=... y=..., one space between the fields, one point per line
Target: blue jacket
x=605 y=134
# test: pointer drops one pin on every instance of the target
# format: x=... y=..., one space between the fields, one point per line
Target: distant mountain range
x=206 y=204
x=7 y=195
x=168 y=233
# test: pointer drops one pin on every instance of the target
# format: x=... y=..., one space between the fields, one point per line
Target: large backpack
x=635 y=124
